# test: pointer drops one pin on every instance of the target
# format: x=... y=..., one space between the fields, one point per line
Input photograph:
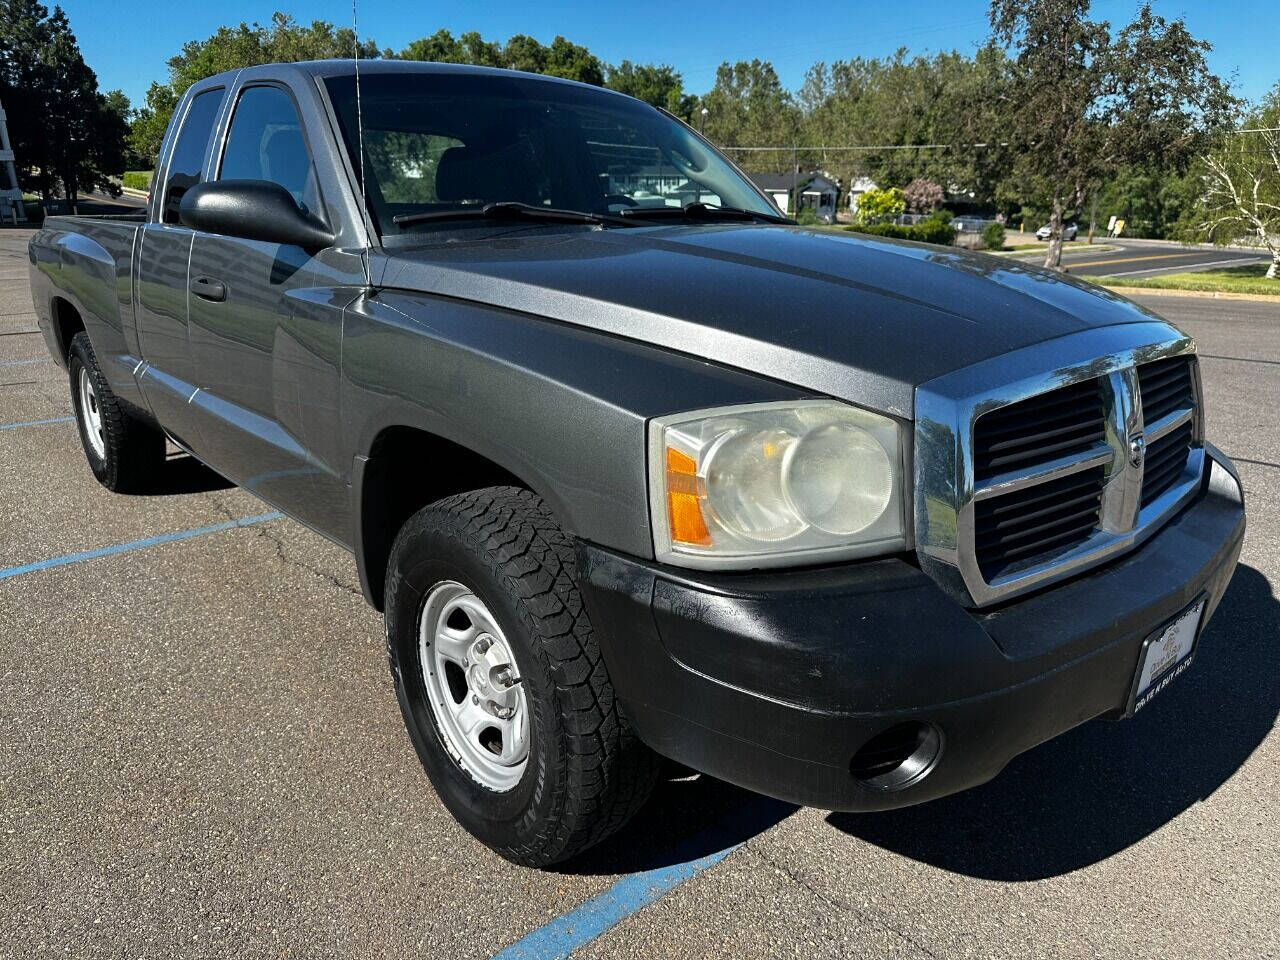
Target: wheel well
x=67 y=322
x=407 y=469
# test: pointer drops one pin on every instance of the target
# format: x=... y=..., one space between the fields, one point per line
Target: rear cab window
x=186 y=165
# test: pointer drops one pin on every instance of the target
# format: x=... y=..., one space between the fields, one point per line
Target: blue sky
x=127 y=41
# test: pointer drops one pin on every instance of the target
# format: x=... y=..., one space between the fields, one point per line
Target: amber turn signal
x=683 y=509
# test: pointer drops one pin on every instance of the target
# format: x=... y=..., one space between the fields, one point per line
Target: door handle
x=207 y=288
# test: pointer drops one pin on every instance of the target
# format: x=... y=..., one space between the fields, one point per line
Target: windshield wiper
x=508 y=210
x=702 y=211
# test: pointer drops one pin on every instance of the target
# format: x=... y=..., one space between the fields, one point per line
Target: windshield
x=457 y=141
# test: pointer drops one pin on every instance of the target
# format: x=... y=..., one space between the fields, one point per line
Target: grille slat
x=1165 y=459
x=1166 y=386
x=1025 y=524
x=1038 y=429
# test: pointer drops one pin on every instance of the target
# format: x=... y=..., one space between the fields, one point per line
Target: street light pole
x=702 y=122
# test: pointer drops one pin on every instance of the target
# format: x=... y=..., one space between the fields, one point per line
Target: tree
x=661 y=86
x=1086 y=103
x=748 y=105
x=952 y=106
x=68 y=137
x=922 y=196
x=230 y=48
x=1242 y=184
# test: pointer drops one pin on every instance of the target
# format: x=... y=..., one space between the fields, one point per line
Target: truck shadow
x=181 y=473
x=1104 y=786
x=688 y=817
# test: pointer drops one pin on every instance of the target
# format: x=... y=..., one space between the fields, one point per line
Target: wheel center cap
x=478 y=678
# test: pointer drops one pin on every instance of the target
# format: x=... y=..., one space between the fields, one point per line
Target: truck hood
x=855 y=317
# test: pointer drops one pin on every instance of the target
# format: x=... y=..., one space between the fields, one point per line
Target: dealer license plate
x=1165 y=655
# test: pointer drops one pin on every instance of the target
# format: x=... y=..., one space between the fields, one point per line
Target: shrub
x=807 y=218
x=993 y=236
x=876 y=206
x=922 y=195
x=942 y=216
x=136 y=179
x=931 y=231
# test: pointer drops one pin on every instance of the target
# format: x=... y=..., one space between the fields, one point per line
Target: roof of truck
x=374 y=67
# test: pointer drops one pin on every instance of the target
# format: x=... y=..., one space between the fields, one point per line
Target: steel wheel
x=91 y=414
x=473 y=686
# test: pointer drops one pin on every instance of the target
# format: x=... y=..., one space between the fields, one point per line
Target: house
x=856 y=189
x=816 y=191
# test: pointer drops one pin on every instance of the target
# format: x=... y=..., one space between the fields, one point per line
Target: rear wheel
x=123 y=451
x=500 y=679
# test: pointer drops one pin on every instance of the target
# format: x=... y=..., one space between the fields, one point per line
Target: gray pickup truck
x=634 y=466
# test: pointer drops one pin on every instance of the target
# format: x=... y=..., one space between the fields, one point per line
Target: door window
x=186 y=166
x=266 y=143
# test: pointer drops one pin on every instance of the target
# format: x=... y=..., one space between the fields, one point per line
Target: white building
x=10 y=197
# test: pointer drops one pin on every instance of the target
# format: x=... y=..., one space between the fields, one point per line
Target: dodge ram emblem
x=1137 y=449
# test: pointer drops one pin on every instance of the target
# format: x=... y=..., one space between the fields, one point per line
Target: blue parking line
x=135 y=545
x=568 y=932
x=34 y=423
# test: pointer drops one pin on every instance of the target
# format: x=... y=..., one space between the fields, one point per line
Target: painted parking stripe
x=24 y=363
x=34 y=423
x=133 y=545
x=570 y=931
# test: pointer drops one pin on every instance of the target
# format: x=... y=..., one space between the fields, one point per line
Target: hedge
x=931 y=231
x=136 y=179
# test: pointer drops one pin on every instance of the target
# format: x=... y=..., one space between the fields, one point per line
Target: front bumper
x=773 y=681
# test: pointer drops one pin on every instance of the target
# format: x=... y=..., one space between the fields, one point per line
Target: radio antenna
x=364 y=190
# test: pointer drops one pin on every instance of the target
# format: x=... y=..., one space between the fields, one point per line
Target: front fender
x=562 y=408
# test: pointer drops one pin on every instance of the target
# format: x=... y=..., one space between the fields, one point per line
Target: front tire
x=124 y=452
x=501 y=682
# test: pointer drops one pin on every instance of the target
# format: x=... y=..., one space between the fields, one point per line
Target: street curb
x=131 y=192
x=1206 y=294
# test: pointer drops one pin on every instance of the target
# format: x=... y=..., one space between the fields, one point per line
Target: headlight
x=775 y=483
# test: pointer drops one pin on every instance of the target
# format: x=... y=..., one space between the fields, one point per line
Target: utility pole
x=13 y=194
x=795 y=180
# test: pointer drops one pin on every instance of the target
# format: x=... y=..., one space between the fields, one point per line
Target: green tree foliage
x=559 y=59
x=948 y=99
x=68 y=137
x=993 y=236
x=229 y=48
x=1240 y=179
x=661 y=86
x=878 y=206
x=748 y=105
x=1087 y=103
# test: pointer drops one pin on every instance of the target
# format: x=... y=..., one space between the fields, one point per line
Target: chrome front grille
x=1032 y=431
x=1024 y=480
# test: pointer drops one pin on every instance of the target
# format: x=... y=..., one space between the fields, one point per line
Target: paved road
x=200 y=756
x=1139 y=258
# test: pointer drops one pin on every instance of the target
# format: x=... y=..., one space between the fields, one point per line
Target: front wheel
x=501 y=682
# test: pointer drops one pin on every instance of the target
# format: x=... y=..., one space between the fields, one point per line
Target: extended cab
x=633 y=465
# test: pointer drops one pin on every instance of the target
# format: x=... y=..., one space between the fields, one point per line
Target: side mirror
x=253 y=210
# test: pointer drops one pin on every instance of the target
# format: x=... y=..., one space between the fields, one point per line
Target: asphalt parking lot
x=201 y=756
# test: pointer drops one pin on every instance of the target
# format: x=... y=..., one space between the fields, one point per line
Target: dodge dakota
x=634 y=466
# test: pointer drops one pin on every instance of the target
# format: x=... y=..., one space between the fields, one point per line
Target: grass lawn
x=1247 y=279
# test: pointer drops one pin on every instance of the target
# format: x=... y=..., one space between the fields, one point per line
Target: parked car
x=1069 y=232
x=844 y=520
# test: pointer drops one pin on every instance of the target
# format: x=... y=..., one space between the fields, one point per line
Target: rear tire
x=123 y=451
x=576 y=771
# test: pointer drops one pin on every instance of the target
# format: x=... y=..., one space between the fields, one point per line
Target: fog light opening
x=898 y=757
